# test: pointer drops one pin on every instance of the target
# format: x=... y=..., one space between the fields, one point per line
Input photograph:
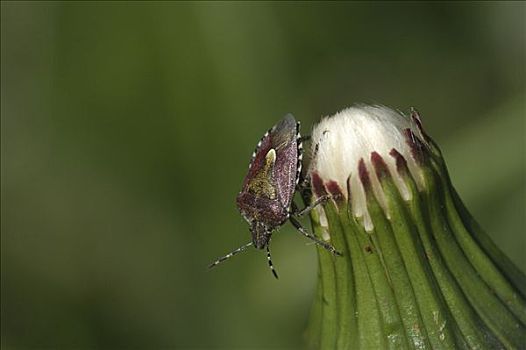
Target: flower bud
x=417 y=271
x=343 y=141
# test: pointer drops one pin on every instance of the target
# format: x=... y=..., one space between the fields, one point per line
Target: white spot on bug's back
x=271 y=156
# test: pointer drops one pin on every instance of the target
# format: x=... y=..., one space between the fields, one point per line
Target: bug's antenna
x=229 y=255
x=270 y=263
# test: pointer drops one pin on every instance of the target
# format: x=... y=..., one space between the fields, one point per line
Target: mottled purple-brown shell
x=269 y=187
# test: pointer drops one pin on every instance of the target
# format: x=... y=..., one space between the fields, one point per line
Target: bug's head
x=260 y=234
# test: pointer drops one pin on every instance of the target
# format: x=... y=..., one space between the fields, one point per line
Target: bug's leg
x=305 y=138
x=303 y=186
x=299 y=213
x=229 y=255
x=313 y=238
x=304 y=179
x=320 y=200
x=302 y=183
x=270 y=263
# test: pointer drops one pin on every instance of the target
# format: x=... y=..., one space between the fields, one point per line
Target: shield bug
x=266 y=200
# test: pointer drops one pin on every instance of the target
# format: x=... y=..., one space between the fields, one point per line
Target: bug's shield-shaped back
x=285 y=141
x=270 y=183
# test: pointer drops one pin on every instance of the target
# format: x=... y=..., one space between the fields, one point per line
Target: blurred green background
x=127 y=129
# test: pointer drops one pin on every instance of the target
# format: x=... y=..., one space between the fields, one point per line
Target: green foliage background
x=127 y=129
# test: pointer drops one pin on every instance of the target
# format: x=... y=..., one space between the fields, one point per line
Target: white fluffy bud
x=339 y=143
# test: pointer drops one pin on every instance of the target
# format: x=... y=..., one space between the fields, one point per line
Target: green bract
x=421 y=274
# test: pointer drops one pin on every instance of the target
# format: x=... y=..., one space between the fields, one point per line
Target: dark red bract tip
x=379 y=165
x=335 y=190
x=401 y=163
x=364 y=174
x=415 y=116
x=317 y=184
x=348 y=183
x=415 y=145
